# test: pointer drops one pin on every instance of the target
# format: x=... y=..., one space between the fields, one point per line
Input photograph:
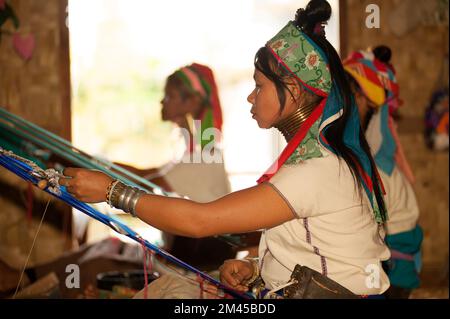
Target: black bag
x=310 y=284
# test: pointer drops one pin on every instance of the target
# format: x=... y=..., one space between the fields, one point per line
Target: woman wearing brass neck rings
x=320 y=204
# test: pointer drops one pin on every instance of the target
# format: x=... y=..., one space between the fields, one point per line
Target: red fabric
x=380 y=65
x=395 y=254
x=208 y=75
x=200 y=280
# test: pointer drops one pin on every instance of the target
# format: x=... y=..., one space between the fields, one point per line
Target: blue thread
x=24 y=171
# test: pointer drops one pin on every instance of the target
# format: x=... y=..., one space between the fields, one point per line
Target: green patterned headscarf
x=301 y=56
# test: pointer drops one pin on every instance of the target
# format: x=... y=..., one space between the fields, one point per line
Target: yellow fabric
x=373 y=92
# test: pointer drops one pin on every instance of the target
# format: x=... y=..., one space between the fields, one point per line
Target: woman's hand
x=235 y=273
x=86 y=185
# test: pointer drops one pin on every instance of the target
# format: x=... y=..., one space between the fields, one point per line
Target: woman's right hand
x=235 y=273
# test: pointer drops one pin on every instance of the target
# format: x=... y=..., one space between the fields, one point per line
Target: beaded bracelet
x=109 y=189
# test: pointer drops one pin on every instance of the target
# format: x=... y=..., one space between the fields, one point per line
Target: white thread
x=289 y=283
x=31 y=250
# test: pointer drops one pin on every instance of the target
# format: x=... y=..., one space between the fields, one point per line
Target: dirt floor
x=434 y=284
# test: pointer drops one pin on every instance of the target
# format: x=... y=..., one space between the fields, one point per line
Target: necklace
x=291 y=124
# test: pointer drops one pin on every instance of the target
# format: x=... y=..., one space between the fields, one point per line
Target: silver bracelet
x=133 y=203
x=125 y=197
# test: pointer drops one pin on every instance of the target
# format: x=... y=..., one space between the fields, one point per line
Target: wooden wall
x=418 y=58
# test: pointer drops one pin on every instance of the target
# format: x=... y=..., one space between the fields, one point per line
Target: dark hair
x=185 y=91
x=383 y=53
x=356 y=88
x=318 y=12
x=175 y=81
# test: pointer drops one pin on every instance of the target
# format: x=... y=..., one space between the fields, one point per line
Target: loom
x=28 y=139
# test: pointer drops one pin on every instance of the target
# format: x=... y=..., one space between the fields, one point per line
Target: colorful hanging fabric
x=304 y=60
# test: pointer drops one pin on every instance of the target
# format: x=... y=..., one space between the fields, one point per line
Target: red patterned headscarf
x=200 y=79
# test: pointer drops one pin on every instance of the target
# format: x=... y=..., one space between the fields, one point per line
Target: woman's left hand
x=86 y=185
